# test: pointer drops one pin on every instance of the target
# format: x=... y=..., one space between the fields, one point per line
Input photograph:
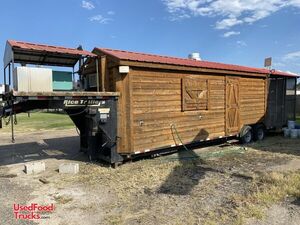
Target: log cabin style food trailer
x=167 y=101
x=131 y=104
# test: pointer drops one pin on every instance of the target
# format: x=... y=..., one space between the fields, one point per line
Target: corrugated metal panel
x=48 y=48
x=142 y=57
x=38 y=54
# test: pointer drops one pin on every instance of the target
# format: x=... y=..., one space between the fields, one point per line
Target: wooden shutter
x=195 y=94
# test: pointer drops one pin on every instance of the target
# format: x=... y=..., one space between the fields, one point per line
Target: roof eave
x=24 y=52
x=67 y=51
x=127 y=61
x=186 y=68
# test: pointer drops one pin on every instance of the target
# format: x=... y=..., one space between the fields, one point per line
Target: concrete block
x=35 y=167
x=71 y=168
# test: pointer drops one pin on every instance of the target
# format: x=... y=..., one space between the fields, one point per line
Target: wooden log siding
x=252 y=100
x=157 y=103
x=152 y=99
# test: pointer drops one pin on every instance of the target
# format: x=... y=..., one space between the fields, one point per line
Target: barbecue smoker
x=93 y=113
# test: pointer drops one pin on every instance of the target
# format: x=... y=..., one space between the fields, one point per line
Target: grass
x=298 y=119
x=157 y=191
x=135 y=187
x=39 y=121
x=267 y=189
x=271 y=188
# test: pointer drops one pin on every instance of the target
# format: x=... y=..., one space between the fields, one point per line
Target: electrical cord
x=108 y=137
x=173 y=126
x=15 y=120
x=193 y=154
x=8 y=121
x=77 y=130
x=76 y=114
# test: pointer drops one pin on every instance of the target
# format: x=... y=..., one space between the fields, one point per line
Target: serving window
x=195 y=94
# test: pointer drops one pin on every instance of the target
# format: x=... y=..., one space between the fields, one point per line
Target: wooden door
x=232 y=122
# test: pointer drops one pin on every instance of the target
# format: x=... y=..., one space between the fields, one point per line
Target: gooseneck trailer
x=93 y=113
x=131 y=104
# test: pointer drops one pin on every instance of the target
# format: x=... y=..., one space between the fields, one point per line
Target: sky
x=242 y=32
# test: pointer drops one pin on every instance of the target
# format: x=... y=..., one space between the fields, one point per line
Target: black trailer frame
x=95 y=116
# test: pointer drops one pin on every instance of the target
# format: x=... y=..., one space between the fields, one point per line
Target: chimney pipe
x=195 y=56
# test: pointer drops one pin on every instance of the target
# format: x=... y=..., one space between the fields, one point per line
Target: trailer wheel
x=247 y=137
x=116 y=164
x=259 y=133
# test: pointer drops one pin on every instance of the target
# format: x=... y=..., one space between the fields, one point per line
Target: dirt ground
x=216 y=184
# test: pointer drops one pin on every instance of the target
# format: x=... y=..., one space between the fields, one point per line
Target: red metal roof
x=150 y=58
x=48 y=48
x=282 y=73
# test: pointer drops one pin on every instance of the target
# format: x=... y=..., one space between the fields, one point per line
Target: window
x=195 y=94
x=291 y=86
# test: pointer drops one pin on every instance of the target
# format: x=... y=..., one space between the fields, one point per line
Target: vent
x=195 y=56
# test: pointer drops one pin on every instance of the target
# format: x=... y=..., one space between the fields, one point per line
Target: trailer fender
x=244 y=130
x=246 y=134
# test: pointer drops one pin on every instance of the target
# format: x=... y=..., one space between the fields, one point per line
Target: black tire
x=116 y=165
x=247 y=137
x=259 y=133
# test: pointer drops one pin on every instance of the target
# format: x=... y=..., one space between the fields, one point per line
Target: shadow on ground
x=296 y=202
x=58 y=148
x=187 y=174
x=276 y=143
x=192 y=169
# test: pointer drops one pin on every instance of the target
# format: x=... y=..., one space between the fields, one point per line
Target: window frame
x=184 y=95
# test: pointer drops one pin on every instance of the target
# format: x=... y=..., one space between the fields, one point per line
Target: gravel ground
x=194 y=187
x=12 y=192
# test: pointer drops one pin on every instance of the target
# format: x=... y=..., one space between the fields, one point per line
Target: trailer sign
x=90 y=102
